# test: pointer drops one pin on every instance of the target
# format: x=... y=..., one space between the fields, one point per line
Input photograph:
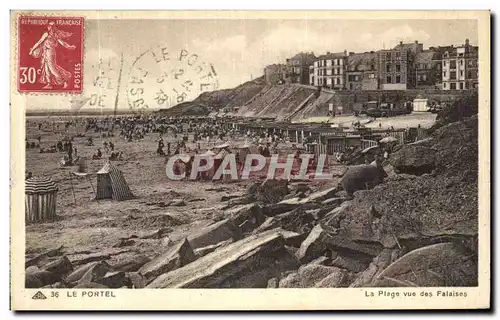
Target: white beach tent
x=111 y=184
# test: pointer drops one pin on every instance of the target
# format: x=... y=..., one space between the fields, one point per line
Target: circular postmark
x=161 y=78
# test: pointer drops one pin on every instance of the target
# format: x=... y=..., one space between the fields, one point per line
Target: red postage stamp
x=50 y=54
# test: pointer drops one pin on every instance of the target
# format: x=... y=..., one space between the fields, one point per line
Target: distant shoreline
x=95 y=112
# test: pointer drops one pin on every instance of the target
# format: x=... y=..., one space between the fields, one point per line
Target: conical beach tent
x=111 y=184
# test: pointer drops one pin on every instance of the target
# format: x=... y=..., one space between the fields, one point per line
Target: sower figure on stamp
x=45 y=49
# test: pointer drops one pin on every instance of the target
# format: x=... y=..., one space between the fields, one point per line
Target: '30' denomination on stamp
x=50 y=54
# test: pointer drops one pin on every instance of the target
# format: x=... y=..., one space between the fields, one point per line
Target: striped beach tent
x=41 y=197
x=111 y=184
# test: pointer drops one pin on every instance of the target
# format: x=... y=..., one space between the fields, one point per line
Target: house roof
x=425 y=56
x=330 y=55
x=304 y=56
x=362 y=60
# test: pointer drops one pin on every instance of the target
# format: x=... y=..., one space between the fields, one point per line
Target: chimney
x=416 y=41
x=351 y=53
x=401 y=42
x=467 y=42
x=345 y=52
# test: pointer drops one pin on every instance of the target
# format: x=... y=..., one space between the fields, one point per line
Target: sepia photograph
x=256 y=150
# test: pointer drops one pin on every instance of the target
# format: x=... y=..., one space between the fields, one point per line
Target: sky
x=237 y=49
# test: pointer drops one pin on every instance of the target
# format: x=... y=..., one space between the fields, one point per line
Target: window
x=461 y=54
x=356 y=78
x=398 y=68
x=398 y=55
x=398 y=79
x=444 y=63
x=388 y=56
x=335 y=71
x=351 y=86
x=446 y=54
x=372 y=67
x=337 y=81
x=429 y=66
x=388 y=68
x=461 y=73
x=453 y=64
x=444 y=73
x=461 y=62
x=328 y=72
x=424 y=77
x=461 y=85
x=388 y=80
x=444 y=85
x=466 y=85
x=453 y=86
x=453 y=75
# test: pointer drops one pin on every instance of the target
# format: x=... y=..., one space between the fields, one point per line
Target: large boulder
x=378 y=264
x=214 y=234
x=269 y=191
x=437 y=265
x=321 y=239
x=290 y=281
x=136 y=280
x=314 y=245
x=247 y=217
x=130 y=263
x=95 y=273
x=203 y=251
x=414 y=159
x=174 y=257
x=297 y=220
x=59 y=267
x=249 y=262
x=114 y=279
x=316 y=275
x=273 y=209
x=361 y=177
x=76 y=275
x=354 y=263
x=40 y=279
x=322 y=195
x=337 y=279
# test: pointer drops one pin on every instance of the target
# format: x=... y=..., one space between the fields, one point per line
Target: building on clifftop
x=298 y=67
x=460 y=67
x=329 y=71
x=397 y=66
x=275 y=73
x=361 y=71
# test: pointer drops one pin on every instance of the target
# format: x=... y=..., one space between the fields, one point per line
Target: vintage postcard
x=250 y=160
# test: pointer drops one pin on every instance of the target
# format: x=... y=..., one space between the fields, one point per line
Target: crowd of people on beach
x=174 y=136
